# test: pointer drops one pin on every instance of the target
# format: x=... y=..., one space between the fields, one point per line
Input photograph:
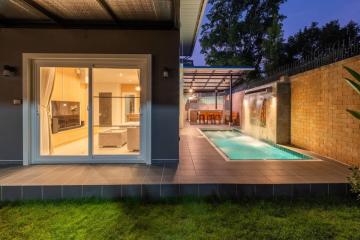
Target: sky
x=301 y=13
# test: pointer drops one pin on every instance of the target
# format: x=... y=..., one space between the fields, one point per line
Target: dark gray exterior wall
x=163 y=45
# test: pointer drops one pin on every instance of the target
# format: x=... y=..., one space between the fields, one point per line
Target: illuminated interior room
x=64 y=119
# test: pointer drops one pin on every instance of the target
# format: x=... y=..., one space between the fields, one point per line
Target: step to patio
x=158 y=191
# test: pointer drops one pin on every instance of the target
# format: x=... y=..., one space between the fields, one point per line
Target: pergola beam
x=53 y=17
x=109 y=10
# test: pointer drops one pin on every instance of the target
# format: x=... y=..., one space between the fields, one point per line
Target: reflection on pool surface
x=237 y=146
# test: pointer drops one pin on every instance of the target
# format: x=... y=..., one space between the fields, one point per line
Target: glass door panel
x=116 y=111
x=62 y=111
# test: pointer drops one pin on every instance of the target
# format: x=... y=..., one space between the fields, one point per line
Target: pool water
x=237 y=146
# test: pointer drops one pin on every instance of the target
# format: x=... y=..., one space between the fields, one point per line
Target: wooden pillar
x=216 y=95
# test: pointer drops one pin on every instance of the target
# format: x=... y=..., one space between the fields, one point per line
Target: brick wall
x=319 y=121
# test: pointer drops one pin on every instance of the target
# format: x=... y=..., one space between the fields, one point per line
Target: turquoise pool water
x=237 y=146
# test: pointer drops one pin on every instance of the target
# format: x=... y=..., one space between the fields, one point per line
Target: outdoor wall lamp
x=8 y=71
x=166 y=72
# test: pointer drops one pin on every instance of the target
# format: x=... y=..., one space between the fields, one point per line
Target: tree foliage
x=311 y=39
x=249 y=32
x=236 y=31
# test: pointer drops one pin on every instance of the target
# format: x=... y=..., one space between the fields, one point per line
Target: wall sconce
x=8 y=71
x=166 y=73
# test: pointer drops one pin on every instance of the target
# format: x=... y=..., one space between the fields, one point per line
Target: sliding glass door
x=116 y=111
x=70 y=126
x=63 y=111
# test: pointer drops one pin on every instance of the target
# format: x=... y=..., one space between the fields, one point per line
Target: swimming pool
x=237 y=146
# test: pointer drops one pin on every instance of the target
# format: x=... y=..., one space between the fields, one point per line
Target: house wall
x=163 y=45
x=319 y=121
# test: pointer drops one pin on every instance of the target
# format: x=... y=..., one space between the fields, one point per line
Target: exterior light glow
x=191 y=90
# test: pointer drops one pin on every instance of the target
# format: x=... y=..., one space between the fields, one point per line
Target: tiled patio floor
x=199 y=163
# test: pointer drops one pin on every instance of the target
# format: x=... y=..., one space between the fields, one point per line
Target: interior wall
x=162 y=45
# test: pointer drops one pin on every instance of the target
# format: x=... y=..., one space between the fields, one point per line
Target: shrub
x=355 y=86
x=354 y=180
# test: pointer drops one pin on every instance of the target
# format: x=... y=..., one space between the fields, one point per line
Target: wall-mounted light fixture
x=166 y=72
x=8 y=71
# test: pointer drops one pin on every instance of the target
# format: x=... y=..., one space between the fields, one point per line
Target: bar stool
x=201 y=118
x=208 y=118
x=217 y=118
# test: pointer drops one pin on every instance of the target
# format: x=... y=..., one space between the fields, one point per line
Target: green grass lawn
x=182 y=219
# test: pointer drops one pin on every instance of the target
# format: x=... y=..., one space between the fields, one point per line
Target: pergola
x=107 y=14
x=213 y=80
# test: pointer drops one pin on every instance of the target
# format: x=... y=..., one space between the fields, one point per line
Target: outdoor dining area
x=208 y=94
x=206 y=116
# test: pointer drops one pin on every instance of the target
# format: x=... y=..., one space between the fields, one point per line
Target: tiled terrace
x=201 y=171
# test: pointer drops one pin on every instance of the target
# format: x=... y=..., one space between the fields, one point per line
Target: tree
x=236 y=31
x=314 y=39
x=273 y=45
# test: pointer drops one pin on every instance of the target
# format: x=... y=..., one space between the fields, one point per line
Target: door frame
x=31 y=61
x=108 y=98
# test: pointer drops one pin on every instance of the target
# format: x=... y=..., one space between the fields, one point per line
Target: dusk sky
x=301 y=13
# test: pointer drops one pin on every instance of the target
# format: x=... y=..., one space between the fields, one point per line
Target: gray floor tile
x=72 y=192
x=92 y=191
x=228 y=191
x=283 y=191
x=245 y=190
x=32 y=192
x=170 y=190
x=150 y=191
x=11 y=193
x=112 y=192
x=131 y=191
x=52 y=192
x=206 y=190
x=301 y=190
x=264 y=190
x=189 y=190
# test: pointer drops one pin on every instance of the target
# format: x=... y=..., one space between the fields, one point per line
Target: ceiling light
x=137 y=88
